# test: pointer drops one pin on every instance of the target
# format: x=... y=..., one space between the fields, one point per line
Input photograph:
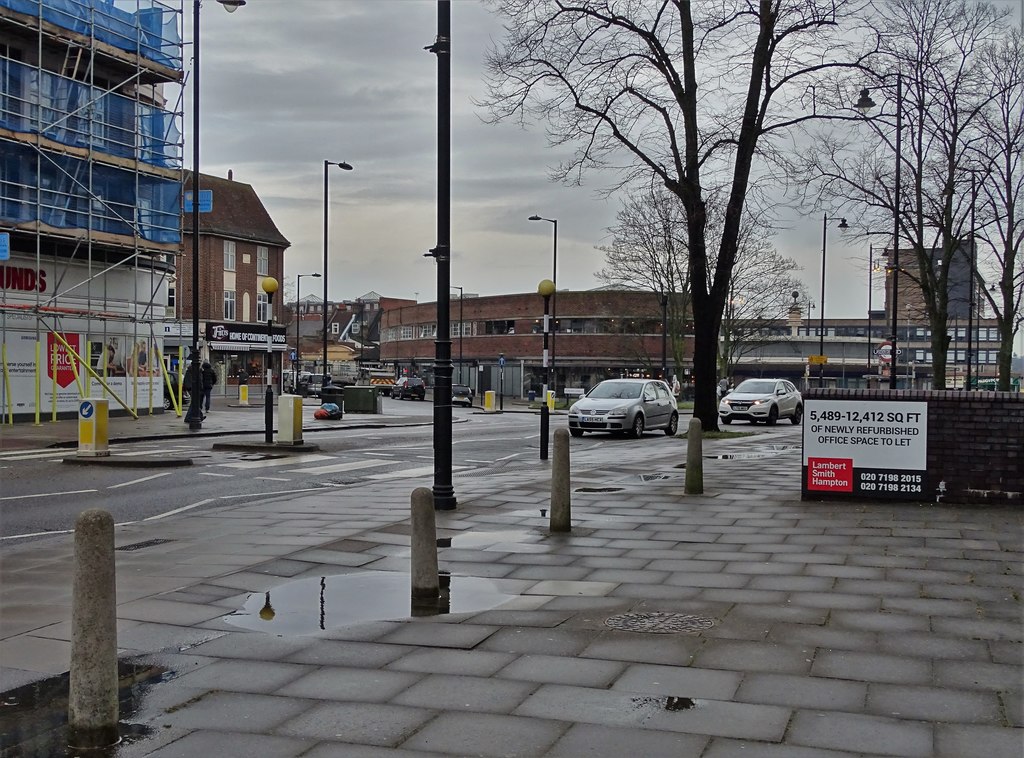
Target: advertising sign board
x=865 y=449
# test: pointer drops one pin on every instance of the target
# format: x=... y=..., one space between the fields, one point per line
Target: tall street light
x=298 y=337
x=194 y=417
x=443 y=491
x=269 y=286
x=821 y=315
x=344 y=167
x=664 y=336
x=545 y=289
x=865 y=104
x=554 y=281
x=461 y=328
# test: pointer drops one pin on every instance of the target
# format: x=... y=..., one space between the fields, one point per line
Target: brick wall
x=975 y=440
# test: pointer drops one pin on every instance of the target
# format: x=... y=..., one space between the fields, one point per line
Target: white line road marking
x=182 y=509
x=290 y=460
x=47 y=494
x=410 y=473
x=387 y=455
x=337 y=467
x=272 y=478
x=22 y=456
x=37 y=534
x=139 y=481
x=212 y=473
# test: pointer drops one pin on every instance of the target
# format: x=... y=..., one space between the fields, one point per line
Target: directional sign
x=205 y=201
x=817 y=360
x=5 y=246
x=884 y=352
x=86 y=409
x=501 y=360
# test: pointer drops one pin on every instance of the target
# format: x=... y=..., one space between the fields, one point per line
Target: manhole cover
x=659 y=623
x=599 y=489
x=657 y=477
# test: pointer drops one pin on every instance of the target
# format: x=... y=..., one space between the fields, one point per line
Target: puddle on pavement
x=34 y=717
x=309 y=606
x=504 y=537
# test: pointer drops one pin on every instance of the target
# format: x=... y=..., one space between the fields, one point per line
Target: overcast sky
x=286 y=84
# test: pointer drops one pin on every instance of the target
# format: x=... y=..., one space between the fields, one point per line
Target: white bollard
x=92 y=697
x=425 y=582
x=561 y=498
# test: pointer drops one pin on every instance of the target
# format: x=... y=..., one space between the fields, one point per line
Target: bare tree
x=1000 y=154
x=648 y=252
x=936 y=46
x=690 y=95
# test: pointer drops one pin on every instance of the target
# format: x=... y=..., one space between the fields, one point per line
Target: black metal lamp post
x=821 y=314
x=554 y=282
x=545 y=289
x=298 y=337
x=864 y=104
x=664 y=337
x=194 y=417
x=269 y=285
x=344 y=167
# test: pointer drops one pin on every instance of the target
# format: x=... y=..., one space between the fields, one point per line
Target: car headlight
x=726 y=402
x=759 y=402
x=619 y=412
x=575 y=409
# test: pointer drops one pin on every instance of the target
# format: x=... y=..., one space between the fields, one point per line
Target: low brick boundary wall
x=975 y=440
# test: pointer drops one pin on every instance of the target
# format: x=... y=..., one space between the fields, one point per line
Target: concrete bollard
x=561 y=500
x=425 y=583
x=92 y=698
x=695 y=457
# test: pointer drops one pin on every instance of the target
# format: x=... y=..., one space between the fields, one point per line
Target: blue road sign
x=205 y=201
x=501 y=360
x=86 y=409
x=5 y=246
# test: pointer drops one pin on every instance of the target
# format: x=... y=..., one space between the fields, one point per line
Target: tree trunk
x=705 y=352
x=1005 y=358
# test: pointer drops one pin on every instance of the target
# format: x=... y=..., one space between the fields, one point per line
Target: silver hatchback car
x=625 y=405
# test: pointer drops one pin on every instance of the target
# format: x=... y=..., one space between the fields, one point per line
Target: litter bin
x=362 y=400
x=531 y=395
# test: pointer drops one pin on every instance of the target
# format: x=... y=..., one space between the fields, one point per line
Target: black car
x=186 y=398
x=409 y=388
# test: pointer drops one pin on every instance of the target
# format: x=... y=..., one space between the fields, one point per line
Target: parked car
x=186 y=398
x=625 y=405
x=462 y=395
x=409 y=388
x=765 y=400
x=310 y=385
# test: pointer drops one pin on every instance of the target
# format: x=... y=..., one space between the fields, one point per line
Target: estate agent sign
x=865 y=449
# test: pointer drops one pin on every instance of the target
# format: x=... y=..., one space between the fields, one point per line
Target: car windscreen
x=460 y=389
x=756 y=387
x=616 y=390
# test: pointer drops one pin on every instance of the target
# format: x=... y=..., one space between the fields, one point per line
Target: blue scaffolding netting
x=147 y=28
x=70 y=193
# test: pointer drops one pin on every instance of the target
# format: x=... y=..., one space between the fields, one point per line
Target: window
x=428 y=330
x=262 y=261
x=262 y=307
x=170 y=295
x=229 y=257
x=229 y=305
x=406 y=332
x=335 y=328
x=500 y=327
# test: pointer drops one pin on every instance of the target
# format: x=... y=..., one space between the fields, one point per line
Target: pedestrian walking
x=209 y=379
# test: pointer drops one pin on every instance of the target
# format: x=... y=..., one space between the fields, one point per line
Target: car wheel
x=637 y=429
x=773 y=416
x=798 y=414
x=673 y=425
x=726 y=420
x=576 y=432
x=168 y=405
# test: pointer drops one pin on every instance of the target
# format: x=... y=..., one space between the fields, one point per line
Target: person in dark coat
x=209 y=379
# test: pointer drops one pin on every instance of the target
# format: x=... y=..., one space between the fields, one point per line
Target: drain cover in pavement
x=141 y=545
x=659 y=623
x=599 y=489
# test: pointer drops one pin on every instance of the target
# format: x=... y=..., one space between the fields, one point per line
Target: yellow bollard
x=289 y=420
x=551 y=400
x=92 y=428
x=490 y=404
x=243 y=394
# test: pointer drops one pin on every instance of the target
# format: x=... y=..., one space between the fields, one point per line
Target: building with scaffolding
x=90 y=183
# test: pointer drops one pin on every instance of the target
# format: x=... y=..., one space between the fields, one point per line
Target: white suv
x=765 y=400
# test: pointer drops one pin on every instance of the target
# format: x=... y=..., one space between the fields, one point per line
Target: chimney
x=231 y=175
